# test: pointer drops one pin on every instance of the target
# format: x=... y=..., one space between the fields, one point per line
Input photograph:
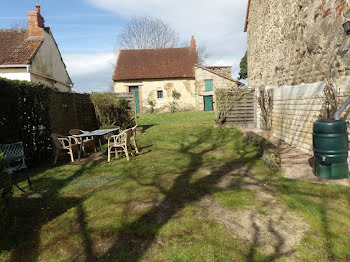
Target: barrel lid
x=329 y=120
x=330 y=126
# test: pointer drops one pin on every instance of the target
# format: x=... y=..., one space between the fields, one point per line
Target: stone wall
x=192 y=91
x=148 y=92
x=218 y=82
x=297 y=41
x=293 y=46
x=222 y=70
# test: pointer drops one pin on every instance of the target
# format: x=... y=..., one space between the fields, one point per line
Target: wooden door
x=208 y=103
x=135 y=90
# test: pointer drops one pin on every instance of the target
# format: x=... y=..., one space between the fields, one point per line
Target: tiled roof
x=16 y=48
x=155 y=64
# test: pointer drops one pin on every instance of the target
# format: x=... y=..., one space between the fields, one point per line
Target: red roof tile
x=155 y=64
x=16 y=48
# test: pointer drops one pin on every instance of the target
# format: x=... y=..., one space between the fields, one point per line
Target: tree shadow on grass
x=145 y=127
x=135 y=238
x=36 y=208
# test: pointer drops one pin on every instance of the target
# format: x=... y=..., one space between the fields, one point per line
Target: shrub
x=6 y=192
x=112 y=111
x=269 y=152
x=173 y=105
x=152 y=104
x=271 y=159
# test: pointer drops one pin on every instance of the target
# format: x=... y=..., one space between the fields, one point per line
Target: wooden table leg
x=99 y=141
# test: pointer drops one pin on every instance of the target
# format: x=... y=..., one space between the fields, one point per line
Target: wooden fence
x=241 y=113
x=71 y=110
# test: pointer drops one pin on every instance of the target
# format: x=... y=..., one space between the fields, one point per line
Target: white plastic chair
x=120 y=143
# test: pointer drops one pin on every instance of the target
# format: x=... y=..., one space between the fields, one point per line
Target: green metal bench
x=14 y=154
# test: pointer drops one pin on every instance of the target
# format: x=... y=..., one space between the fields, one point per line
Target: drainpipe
x=342 y=108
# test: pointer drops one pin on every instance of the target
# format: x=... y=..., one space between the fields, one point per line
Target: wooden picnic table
x=95 y=133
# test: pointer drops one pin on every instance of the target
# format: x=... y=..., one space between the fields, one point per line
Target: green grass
x=146 y=209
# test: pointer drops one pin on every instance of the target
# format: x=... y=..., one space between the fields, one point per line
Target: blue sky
x=86 y=30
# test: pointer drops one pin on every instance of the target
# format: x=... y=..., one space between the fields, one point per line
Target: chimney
x=193 y=43
x=36 y=23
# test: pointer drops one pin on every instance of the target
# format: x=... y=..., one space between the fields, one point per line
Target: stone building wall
x=293 y=46
x=218 y=82
x=222 y=70
x=148 y=92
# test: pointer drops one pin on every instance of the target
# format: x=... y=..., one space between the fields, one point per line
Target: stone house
x=295 y=48
x=209 y=78
x=32 y=54
x=154 y=74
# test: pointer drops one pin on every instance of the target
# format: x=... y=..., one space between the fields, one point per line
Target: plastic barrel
x=330 y=143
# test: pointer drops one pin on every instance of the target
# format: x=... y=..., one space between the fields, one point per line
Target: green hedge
x=6 y=192
x=112 y=111
x=24 y=116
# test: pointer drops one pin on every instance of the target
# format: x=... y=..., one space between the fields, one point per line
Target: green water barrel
x=330 y=143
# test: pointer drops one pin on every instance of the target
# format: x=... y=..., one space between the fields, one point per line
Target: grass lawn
x=195 y=193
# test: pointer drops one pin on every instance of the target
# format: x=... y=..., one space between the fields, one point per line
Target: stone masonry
x=219 y=81
x=293 y=46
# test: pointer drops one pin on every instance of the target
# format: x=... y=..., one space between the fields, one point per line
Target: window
x=208 y=85
x=159 y=94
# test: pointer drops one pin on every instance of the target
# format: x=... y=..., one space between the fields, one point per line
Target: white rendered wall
x=15 y=74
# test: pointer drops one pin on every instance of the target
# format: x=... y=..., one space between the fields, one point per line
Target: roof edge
x=124 y=80
x=15 y=66
x=247 y=17
x=215 y=73
x=31 y=58
x=186 y=47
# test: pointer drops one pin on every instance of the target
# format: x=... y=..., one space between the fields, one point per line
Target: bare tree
x=147 y=33
x=19 y=24
x=202 y=52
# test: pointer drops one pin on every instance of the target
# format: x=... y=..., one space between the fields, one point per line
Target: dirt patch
x=268 y=225
x=271 y=227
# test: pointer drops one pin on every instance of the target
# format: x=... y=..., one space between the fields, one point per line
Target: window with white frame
x=160 y=94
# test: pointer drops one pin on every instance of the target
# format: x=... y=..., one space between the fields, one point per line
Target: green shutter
x=208 y=85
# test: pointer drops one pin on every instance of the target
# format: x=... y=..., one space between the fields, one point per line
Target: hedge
x=6 y=192
x=24 y=116
x=112 y=111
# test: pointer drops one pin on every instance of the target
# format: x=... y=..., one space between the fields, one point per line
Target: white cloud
x=216 y=24
x=90 y=72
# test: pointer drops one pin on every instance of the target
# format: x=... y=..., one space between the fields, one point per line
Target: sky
x=86 y=31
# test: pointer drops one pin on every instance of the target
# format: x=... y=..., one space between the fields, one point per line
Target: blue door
x=135 y=90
